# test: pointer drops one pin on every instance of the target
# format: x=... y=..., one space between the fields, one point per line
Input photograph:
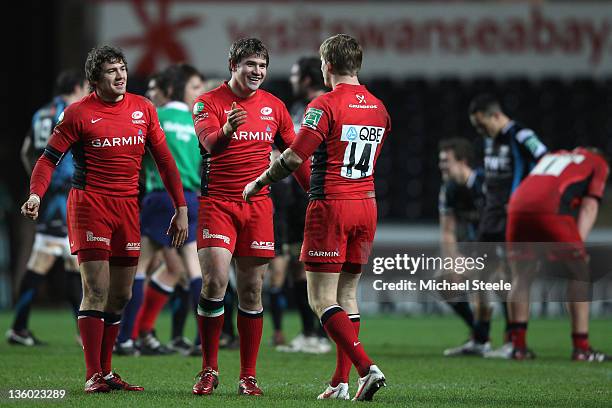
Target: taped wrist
x=279 y=170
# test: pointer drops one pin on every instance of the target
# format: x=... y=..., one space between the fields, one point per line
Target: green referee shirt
x=176 y=121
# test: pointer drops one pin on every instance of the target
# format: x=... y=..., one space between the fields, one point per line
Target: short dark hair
x=485 y=103
x=310 y=67
x=67 y=80
x=161 y=82
x=245 y=47
x=343 y=52
x=461 y=148
x=97 y=57
x=175 y=77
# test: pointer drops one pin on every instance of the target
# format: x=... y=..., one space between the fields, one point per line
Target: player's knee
x=277 y=283
x=347 y=298
x=95 y=295
x=214 y=288
x=317 y=307
x=250 y=297
x=119 y=300
x=318 y=304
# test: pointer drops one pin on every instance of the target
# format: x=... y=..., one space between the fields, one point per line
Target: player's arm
x=590 y=202
x=211 y=134
x=171 y=178
x=532 y=144
x=448 y=238
x=26 y=152
x=65 y=133
x=312 y=133
x=587 y=216
x=448 y=222
x=287 y=137
x=287 y=163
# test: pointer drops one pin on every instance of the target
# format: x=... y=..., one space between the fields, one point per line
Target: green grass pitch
x=408 y=350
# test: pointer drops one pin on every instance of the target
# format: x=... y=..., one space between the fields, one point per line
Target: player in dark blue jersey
x=460 y=202
x=462 y=192
x=51 y=239
x=510 y=152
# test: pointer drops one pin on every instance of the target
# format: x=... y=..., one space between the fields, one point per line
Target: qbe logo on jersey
x=361 y=149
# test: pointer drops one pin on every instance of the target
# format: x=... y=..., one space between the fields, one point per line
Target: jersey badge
x=312 y=117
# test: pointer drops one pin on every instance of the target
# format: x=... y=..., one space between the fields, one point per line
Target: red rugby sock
x=337 y=324
x=91 y=327
x=250 y=326
x=343 y=362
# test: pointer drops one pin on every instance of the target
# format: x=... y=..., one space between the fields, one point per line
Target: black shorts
x=290 y=203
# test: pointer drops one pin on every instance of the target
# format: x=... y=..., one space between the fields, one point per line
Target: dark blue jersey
x=52 y=214
x=464 y=202
x=508 y=159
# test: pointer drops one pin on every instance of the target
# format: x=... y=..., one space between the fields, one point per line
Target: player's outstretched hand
x=235 y=118
x=179 y=227
x=30 y=207
x=250 y=190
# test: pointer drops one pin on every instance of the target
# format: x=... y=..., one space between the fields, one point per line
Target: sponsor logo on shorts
x=132 y=246
x=207 y=235
x=324 y=253
x=92 y=238
x=266 y=245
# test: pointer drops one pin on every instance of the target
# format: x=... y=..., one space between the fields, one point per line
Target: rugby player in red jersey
x=237 y=123
x=107 y=132
x=345 y=129
x=557 y=203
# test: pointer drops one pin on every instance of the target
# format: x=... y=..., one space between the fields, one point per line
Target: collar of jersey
x=349 y=86
x=96 y=97
x=233 y=95
x=507 y=127
x=471 y=179
x=178 y=105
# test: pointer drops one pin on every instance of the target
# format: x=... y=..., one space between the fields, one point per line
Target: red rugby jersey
x=559 y=182
x=108 y=141
x=345 y=129
x=227 y=170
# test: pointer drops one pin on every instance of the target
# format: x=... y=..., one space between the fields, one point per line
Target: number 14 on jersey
x=360 y=151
